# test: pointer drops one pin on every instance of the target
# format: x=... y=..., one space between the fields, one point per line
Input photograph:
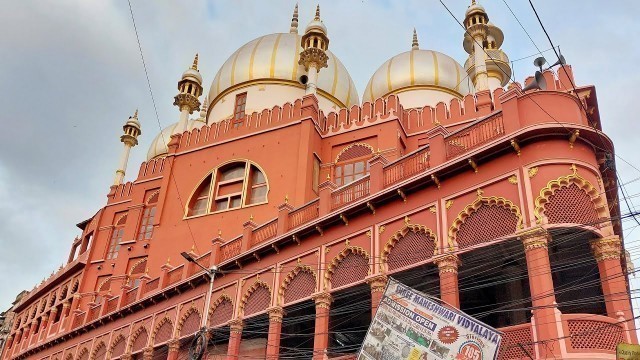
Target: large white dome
x=270 y=64
x=419 y=77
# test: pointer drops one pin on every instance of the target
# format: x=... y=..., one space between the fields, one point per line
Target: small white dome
x=159 y=147
x=193 y=75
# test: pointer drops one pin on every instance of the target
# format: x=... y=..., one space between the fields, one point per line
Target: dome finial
x=473 y=2
x=317 y=17
x=414 y=44
x=294 y=21
x=135 y=114
x=195 y=63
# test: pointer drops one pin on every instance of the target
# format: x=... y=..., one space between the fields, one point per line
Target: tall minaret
x=190 y=89
x=130 y=139
x=482 y=38
x=313 y=56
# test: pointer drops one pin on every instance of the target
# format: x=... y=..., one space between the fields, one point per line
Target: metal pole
x=205 y=317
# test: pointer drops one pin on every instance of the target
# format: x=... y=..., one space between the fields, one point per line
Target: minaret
x=130 y=139
x=294 y=21
x=482 y=38
x=190 y=89
x=313 y=56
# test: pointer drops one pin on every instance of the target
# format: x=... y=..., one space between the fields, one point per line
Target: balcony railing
x=231 y=249
x=474 y=136
x=264 y=232
x=151 y=285
x=350 y=192
x=112 y=304
x=406 y=167
x=175 y=275
x=303 y=214
x=593 y=332
x=512 y=338
x=94 y=312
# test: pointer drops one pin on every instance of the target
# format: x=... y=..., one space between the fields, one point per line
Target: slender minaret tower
x=294 y=21
x=130 y=139
x=482 y=38
x=190 y=89
x=313 y=56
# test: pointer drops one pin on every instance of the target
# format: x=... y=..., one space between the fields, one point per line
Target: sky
x=72 y=74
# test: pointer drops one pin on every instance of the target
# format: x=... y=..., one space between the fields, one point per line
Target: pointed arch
x=117 y=347
x=163 y=331
x=338 y=274
x=189 y=322
x=104 y=285
x=221 y=311
x=303 y=281
x=138 y=340
x=414 y=245
x=257 y=298
x=139 y=267
x=152 y=198
x=99 y=352
x=597 y=208
x=502 y=206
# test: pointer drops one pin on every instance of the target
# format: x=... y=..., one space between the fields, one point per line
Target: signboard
x=410 y=325
x=628 y=352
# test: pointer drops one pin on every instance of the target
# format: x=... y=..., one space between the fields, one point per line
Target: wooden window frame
x=239 y=115
x=339 y=179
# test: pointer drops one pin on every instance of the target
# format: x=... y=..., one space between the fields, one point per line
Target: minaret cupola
x=190 y=89
x=129 y=138
x=313 y=57
x=487 y=65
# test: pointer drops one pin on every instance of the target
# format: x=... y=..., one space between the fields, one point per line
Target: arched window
x=231 y=186
x=116 y=237
x=352 y=163
x=146 y=223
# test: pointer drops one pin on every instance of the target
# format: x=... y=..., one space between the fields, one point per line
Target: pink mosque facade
x=499 y=201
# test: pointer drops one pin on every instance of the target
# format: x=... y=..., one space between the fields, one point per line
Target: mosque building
x=498 y=198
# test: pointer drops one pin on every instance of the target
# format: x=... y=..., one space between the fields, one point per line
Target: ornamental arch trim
x=222 y=298
x=163 y=321
x=99 y=347
x=400 y=234
x=119 y=339
x=135 y=336
x=356 y=250
x=186 y=315
x=257 y=284
x=474 y=206
x=150 y=197
x=353 y=146
x=291 y=275
x=135 y=265
x=565 y=181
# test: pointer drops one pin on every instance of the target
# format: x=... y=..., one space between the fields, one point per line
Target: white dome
x=193 y=75
x=273 y=59
x=434 y=75
x=159 y=147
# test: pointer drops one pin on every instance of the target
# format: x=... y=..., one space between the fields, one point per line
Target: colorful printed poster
x=410 y=325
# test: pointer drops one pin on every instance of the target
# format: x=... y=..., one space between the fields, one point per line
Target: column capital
x=275 y=313
x=147 y=353
x=535 y=238
x=236 y=326
x=377 y=282
x=448 y=263
x=126 y=356
x=607 y=248
x=173 y=344
x=323 y=300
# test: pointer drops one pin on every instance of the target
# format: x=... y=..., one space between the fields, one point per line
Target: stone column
x=275 y=332
x=321 y=338
x=448 y=270
x=377 y=283
x=547 y=320
x=235 y=337
x=174 y=348
x=147 y=353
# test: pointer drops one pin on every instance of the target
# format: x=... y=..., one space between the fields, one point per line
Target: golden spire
x=195 y=63
x=294 y=21
x=317 y=17
x=473 y=2
x=135 y=115
x=414 y=44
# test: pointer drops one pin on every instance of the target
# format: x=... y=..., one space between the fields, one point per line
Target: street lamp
x=200 y=342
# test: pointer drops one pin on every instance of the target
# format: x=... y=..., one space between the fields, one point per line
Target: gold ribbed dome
x=273 y=59
x=418 y=70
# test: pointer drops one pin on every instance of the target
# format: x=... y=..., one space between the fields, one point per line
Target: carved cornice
x=608 y=248
x=313 y=56
x=187 y=100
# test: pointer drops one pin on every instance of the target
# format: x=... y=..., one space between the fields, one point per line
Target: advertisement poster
x=410 y=325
